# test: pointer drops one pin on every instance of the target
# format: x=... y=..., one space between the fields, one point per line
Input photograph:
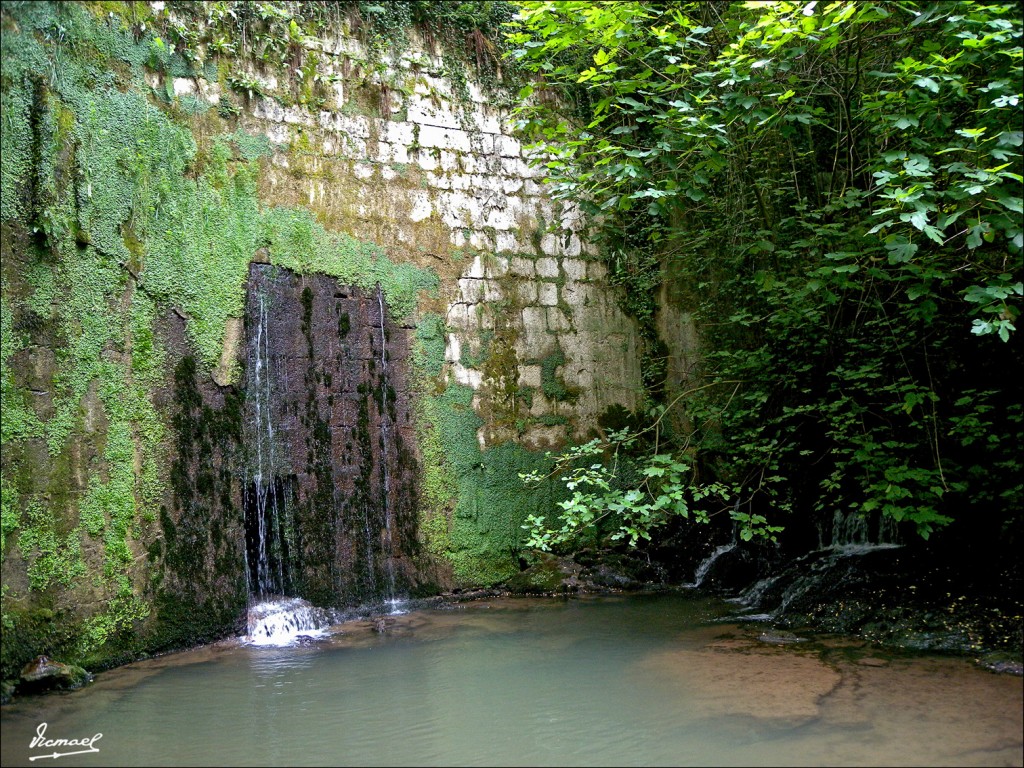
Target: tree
x=836 y=189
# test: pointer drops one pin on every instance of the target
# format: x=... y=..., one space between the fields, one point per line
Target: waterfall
x=283 y=621
x=392 y=601
x=273 y=618
x=265 y=561
x=705 y=567
x=803 y=577
x=329 y=492
x=852 y=531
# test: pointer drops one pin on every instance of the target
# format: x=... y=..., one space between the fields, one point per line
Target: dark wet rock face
x=899 y=597
x=330 y=474
x=586 y=571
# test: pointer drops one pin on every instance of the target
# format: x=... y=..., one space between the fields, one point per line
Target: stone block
x=573 y=293
x=557 y=321
x=476 y=269
x=485 y=121
x=423 y=111
x=527 y=291
x=550 y=244
x=269 y=109
x=400 y=133
x=459 y=181
x=547 y=294
x=514 y=166
x=519 y=265
x=487 y=183
x=278 y=134
x=469 y=377
x=444 y=138
x=547 y=267
x=492 y=291
x=496 y=266
x=506 y=146
x=353 y=146
x=574 y=269
x=534 y=337
x=508 y=242
x=427 y=160
x=484 y=317
x=481 y=240
x=461 y=316
x=529 y=376
x=184 y=85
x=499 y=218
x=452 y=349
x=481 y=143
x=471 y=163
x=438 y=182
x=449 y=161
x=421 y=207
x=596 y=270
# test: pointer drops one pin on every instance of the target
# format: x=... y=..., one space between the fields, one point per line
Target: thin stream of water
x=385 y=448
x=641 y=680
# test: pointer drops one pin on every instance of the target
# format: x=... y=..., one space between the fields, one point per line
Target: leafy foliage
x=628 y=498
x=835 y=188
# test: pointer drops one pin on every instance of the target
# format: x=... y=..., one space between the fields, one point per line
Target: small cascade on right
x=851 y=546
x=705 y=566
x=854 y=532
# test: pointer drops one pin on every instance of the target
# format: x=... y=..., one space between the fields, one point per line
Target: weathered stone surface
x=43 y=673
x=328 y=406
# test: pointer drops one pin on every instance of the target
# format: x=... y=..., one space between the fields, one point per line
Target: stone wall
x=138 y=188
x=438 y=179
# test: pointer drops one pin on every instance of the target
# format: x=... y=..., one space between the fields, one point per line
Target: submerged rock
x=779 y=637
x=43 y=674
x=586 y=571
x=549 y=574
x=1002 y=663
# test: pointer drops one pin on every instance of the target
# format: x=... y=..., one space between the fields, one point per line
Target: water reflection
x=651 y=681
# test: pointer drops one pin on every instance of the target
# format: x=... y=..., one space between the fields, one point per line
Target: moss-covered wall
x=142 y=172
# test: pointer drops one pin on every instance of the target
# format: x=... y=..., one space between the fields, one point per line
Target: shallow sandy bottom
x=913 y=711
x=617 y=680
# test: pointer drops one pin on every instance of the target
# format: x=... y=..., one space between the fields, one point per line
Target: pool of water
x=639 y=680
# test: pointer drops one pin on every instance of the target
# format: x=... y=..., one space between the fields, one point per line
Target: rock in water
x=43 y=673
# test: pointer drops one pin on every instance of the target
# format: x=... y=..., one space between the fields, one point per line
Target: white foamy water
x=282 y=621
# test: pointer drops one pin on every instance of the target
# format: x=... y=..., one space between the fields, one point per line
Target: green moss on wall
x=113 y=215
x=475 y=503
x=551 y=382
x=127 y=202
